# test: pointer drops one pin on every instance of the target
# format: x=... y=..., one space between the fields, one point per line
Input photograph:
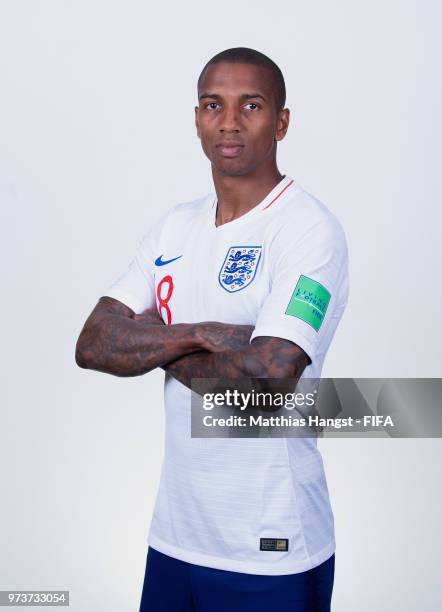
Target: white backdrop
x=96 y=140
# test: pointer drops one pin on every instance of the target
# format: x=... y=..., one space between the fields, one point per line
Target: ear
x=197 y=122
x=282 y=124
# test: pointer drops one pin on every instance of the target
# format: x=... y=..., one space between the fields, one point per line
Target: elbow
x=90 y=353
x=80 y=360
x=80 y=356
x=86 y=351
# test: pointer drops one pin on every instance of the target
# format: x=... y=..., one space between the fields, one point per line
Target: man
x=249 y=281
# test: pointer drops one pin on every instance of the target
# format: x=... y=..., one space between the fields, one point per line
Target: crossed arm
x=117 y=341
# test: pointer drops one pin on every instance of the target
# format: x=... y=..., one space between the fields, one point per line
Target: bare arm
x=264 y=357
x=228 y=354
x=114 y=341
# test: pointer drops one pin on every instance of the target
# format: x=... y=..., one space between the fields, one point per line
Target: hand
x=149 y=317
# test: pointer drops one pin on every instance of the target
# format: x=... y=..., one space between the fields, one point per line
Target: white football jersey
x=283 y=268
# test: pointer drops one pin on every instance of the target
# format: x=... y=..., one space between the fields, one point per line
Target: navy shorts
x=171 y=585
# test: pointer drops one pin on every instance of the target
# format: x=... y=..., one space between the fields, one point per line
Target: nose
x=230 y=121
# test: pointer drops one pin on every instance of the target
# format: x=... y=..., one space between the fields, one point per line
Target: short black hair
x=244 y=55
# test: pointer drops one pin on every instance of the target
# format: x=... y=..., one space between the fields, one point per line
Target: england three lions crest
x=239 y=267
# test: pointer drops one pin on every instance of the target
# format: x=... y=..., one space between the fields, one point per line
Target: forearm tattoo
x=113 y=342
x=116 y=341
x=265 y=357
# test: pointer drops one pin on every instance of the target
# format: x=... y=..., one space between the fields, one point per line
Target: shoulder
x=180 y=215
x=190 y=209
x=303 y=215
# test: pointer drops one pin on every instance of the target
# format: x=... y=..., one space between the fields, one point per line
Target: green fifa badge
x=309 y=302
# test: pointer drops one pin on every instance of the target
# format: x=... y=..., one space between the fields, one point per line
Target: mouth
x=228 y=149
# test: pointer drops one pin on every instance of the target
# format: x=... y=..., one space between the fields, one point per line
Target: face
x=237 y=118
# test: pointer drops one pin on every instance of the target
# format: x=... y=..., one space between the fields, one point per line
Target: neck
x=238 y=194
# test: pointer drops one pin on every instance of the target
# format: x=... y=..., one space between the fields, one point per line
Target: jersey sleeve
x=308 y=286
x=136 y=286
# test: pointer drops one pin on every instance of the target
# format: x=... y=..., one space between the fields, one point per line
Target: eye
x=252 y=104
x=211 y=105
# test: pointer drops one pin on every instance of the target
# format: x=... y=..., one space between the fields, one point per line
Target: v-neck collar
x=275 y=195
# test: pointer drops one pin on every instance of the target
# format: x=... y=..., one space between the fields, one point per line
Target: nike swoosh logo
x=161 y=262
